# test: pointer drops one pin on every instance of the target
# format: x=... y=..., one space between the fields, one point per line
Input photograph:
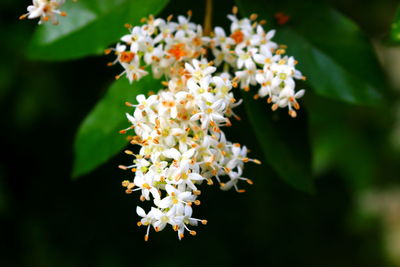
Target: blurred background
x=48 y=219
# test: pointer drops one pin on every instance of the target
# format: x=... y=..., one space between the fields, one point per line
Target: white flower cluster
x=179 y=128
x=182 y=146
x=46 y=10
x=162 y=44
x=256 y=60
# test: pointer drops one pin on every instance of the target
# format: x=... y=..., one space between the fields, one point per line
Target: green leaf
x=333 y=53
x=395 y=30
x=90 y=27
x=283 y=141
x=342 y=144
x=98 y=138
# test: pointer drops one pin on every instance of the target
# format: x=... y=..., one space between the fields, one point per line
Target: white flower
x=175 y=197
x=287 y=97
x=210 y=113
x=245 y=58
x=132 y=70
x=199 y=70
x=46 y=10
x=135 y=39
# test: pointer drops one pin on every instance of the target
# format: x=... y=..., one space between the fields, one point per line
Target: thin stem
x=208 y=18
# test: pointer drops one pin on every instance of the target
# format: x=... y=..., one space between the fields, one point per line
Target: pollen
x=178 y=51
x=237 y=36
x=127 y=57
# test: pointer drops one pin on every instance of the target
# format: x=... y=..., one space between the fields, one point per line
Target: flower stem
x=208 y=18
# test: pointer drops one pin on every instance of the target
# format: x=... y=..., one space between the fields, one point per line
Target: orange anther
x=237 y=36
x=127 y=56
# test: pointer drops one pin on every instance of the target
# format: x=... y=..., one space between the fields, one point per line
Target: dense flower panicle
x=178 y=129
x=256 y=60
x=182 y=146
x=45 y=10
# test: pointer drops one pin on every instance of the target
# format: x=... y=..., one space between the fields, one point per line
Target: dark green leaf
x=283 y=141
x=98 y=138
x=333 y=53
x=90 y=27
x=395 y=31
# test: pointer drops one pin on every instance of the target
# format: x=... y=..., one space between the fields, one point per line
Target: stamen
x=193 y=233
x=234 y=10
x=24 y=16
x=253 y=16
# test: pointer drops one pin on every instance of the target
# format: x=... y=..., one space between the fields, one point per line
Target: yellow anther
x=204 y=222
x=234 y=10
x=146 y=238
x=125 y=183
x=146 y=185
x=23 y=16
x=193 y=233
x=253 y=16
x=256 y=161
x=128 y=152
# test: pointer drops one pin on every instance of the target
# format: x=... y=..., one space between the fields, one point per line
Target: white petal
x=172 y=153
x=140 y=211
x=300 y=93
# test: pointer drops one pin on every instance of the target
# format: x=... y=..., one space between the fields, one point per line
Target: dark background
x=47 y=219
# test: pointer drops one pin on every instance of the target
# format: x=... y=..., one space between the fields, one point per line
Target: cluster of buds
x=45 y=10
x=257 y=61
x=178 y=129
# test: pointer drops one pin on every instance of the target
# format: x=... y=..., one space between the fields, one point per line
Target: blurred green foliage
x=395 y=33
x=89 y=30
x=98 y=138
x=48 y=220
